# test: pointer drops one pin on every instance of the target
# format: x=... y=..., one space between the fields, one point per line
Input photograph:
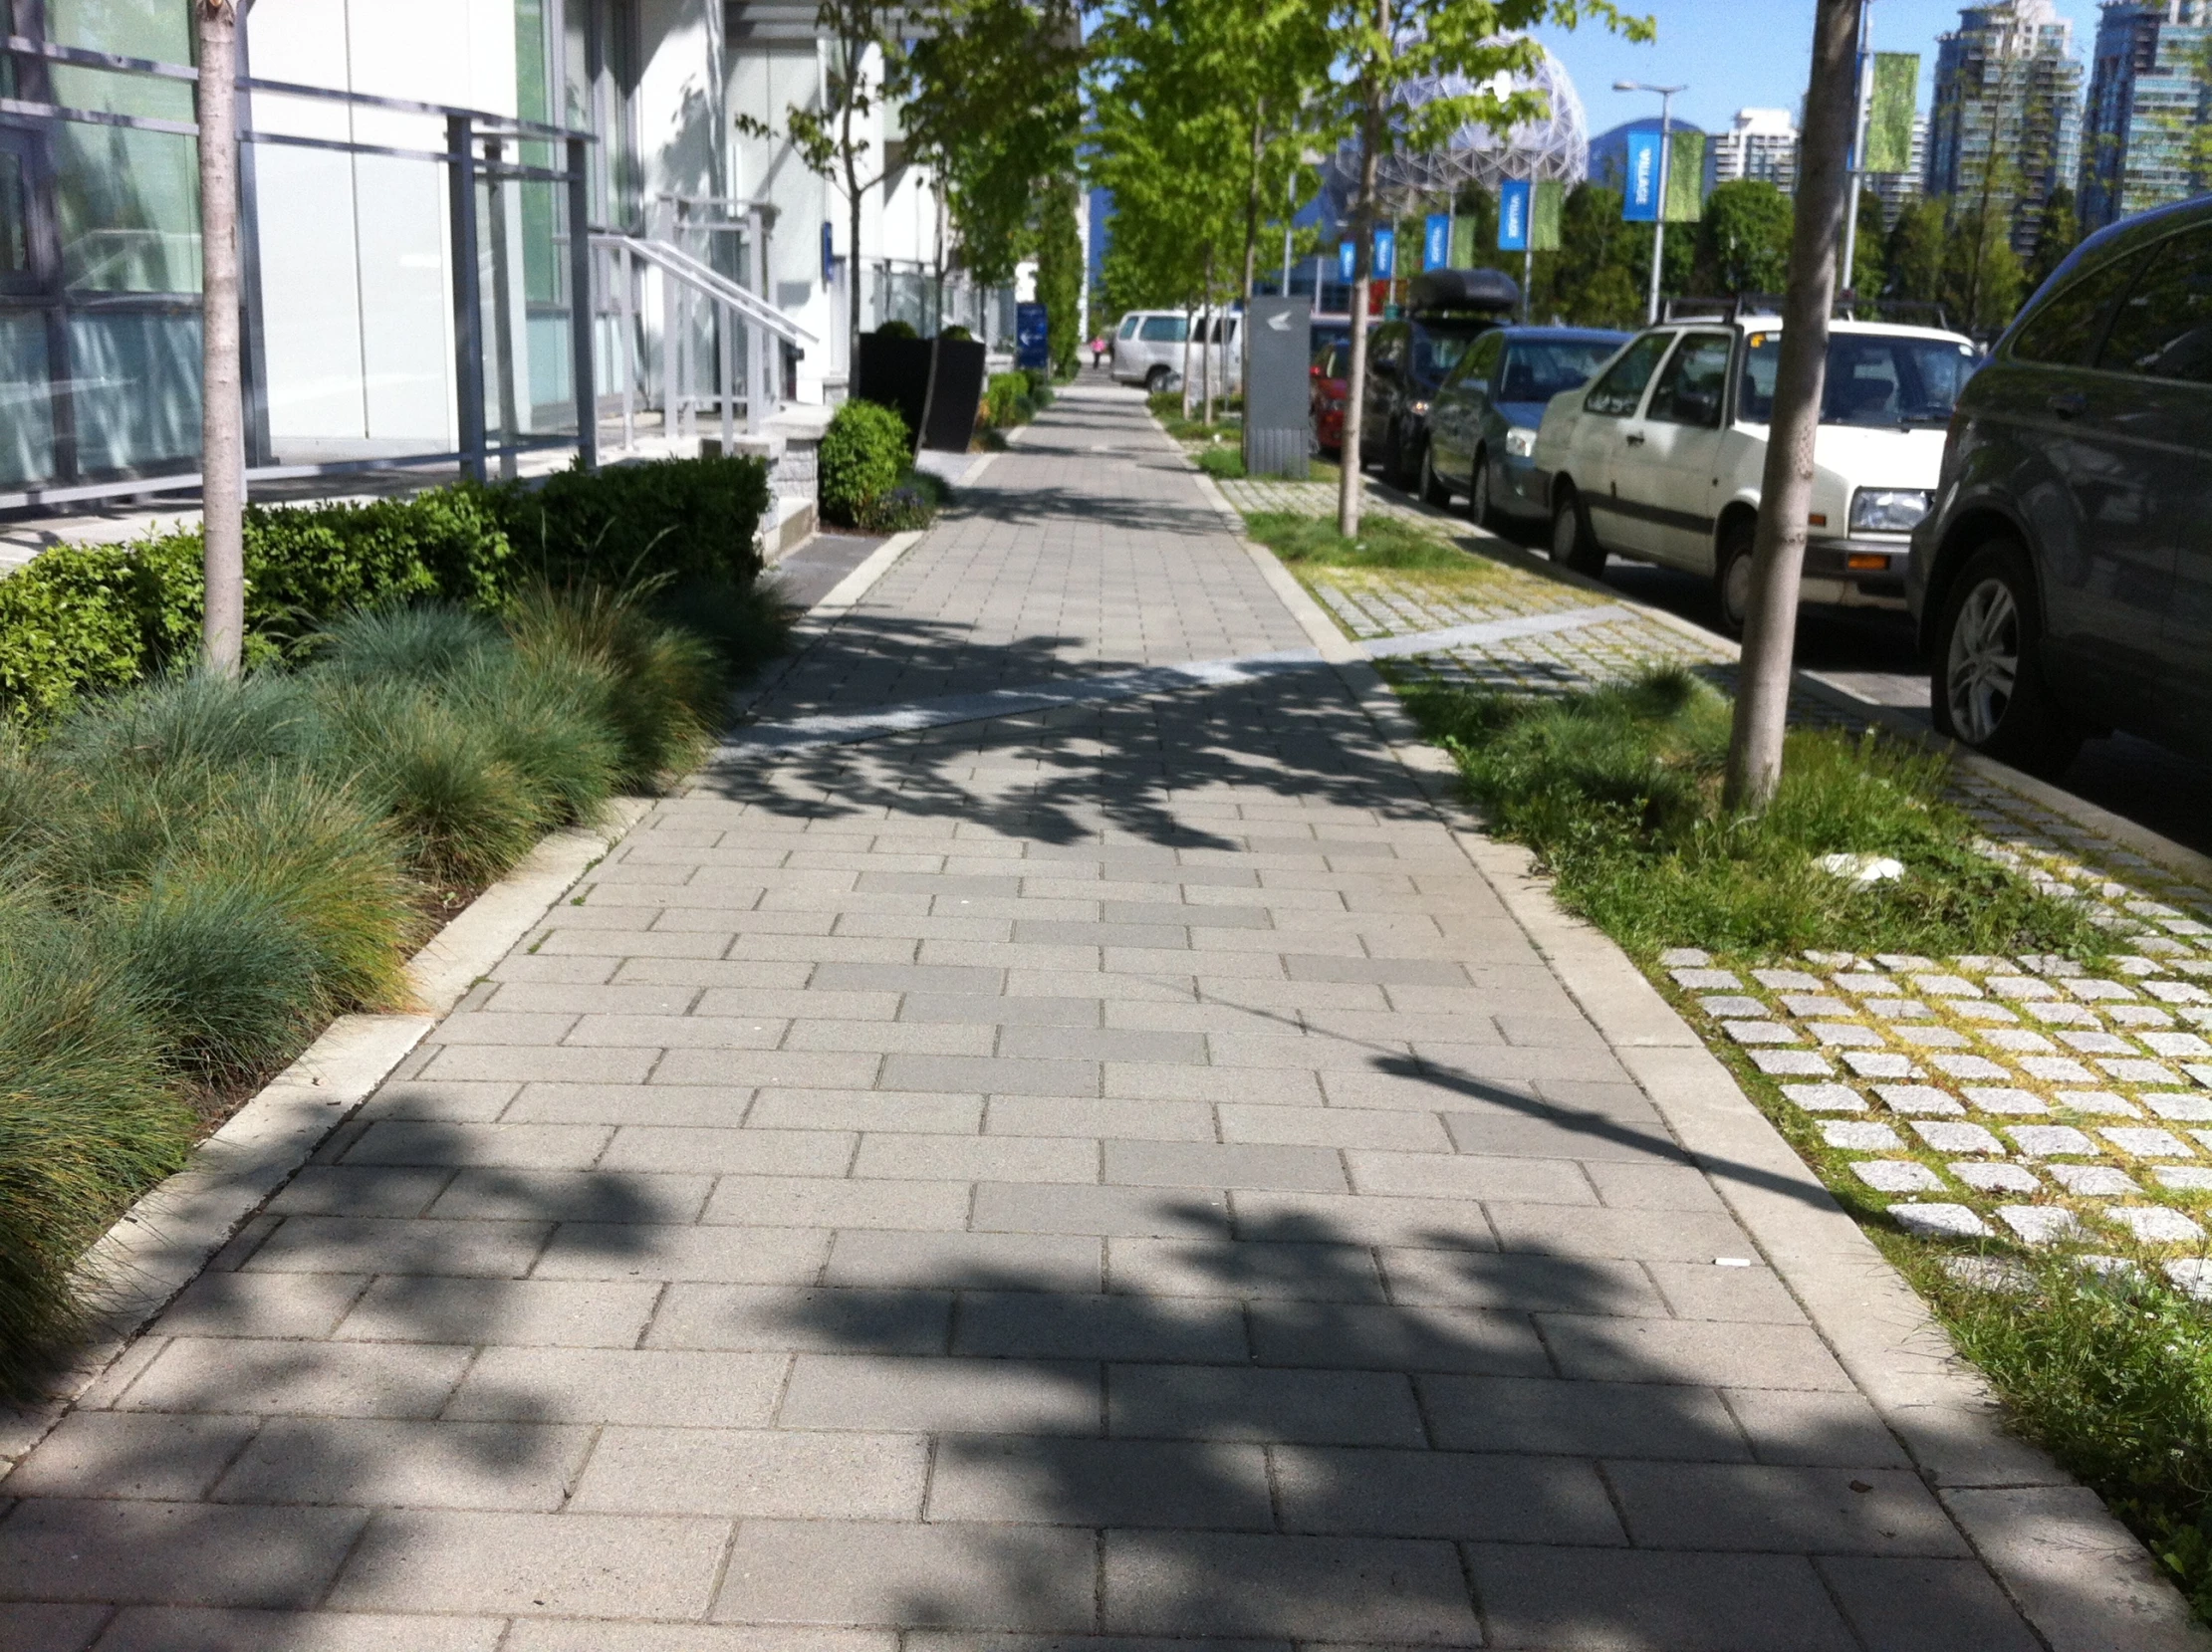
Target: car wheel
x=1155 y=382
x=1478 y=490
x=1434 y=489
x=1574 y=546
x=1732 y=575
x=1986 y=687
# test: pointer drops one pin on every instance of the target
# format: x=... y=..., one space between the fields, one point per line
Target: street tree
x=222 y=406
x=1786 y=487
x=2058 y=232
x=1913 y=252
x=1743 y=238
x=1378 y=49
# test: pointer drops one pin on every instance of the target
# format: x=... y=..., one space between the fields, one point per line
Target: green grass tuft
x=1383 y=542
x=1618 y=792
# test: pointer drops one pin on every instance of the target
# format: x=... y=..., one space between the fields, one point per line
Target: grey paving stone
x=1334 y=1127
x=564 y=1314
x=1583 y=1597
x=1691 y=1350
x=729 y=1152
x=835 y=1202
x=1216 y=1402
x=124 y=1551
x=970 y=1260
x=621 y=1385
x=359 y=1190
x=1154 y=1081
x=1018 y=1206
x=1648 y=1236
x=820 y=1069
x=360 y=1461
x=569 y=1565
x=1100 y=1483
x=755 y=1472
x=962 y=1574
x=1556 y=1133
x=49 y=1628
x=602 y=1635
x=130 y=1455
x=1580 y=1419
x=1362 y=1219
x=662 y=1251
x=1191 y=1164
x=837 y=1109
x=980 y=1010
x=571 y=1196
x=261 y=1304
x=1036 y=1115
x=1280 y=1271
x=906 y=978
x=461 y=1102
x=1364 y=1589
x=279 y=1378
x=778 y=1317
x=388 y=1245
x=974 y=1158
x=990 y=1076
x=677 y=1032
x=1471 y=1176
x=879 y=1392
x=1925 y=1606
x=1434 y=1494
x=675 y=1106
x=509 y=1062
x=1715 y=1505
x=1747 y=1296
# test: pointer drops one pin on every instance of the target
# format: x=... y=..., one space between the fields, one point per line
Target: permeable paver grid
x=1118 y=1172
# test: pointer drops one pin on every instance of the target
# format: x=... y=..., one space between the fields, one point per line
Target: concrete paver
x=1109 y=1172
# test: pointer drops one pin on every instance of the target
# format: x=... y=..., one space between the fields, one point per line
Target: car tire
x=1155 y=382
x=1986 y=683
x=1479 y=508
x=1732 y=575
x=1434 y=489
x=1574 y=546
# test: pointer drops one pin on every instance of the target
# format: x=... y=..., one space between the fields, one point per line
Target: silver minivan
x=1150 y=348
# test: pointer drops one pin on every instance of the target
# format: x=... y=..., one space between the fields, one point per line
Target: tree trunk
x=1363 y=263
x=1778 y=553
x=222 y=433
x=1211 y=347
x=852 y=254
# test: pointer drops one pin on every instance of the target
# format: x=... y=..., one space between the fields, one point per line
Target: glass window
x=1434 y=354
x=1891 y=379
x=1696 y=373
x=2164 y=328
x=1542 y=369
x=15 y=216
x=1165 y=329
x=1128 y=326
x=1480 y=364
x=2064 y=328
x=1618 y=393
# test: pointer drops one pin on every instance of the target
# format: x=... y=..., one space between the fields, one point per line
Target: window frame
x=1682 y=343
x=2149 y=259
x=1666 y=338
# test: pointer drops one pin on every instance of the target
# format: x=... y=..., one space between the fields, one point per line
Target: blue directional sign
x=1513 y=217
x=1639 y=201
x=1386 y=254
x=1436 y=241
x=1348 y=258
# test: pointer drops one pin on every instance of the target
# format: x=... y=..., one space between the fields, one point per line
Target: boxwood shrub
x=864 y=453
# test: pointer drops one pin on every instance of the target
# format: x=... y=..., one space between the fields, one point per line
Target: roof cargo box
x=1486 y=290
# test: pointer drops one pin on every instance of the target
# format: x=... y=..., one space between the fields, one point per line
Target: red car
x=1332 y=372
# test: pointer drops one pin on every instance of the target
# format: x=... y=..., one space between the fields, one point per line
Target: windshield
x=1540 y=371
x=1436 y=353
x=1873 y=379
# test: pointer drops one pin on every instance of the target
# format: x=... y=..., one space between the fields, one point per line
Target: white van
x=1149 y=348
x=1661 y=457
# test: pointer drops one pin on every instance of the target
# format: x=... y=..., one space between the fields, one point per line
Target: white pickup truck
x=1659 y=458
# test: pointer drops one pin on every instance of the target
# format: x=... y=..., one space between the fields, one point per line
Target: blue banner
x=1386 y=254
x=1348 y=256
x=1639 y=199
x=1513 y=217
x=1436 y=241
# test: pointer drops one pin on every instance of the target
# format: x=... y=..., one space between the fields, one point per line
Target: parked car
x=1660 y=459
x=1482 y=426
x=1410 y=359
x=1148 y=348
x=2064 y=580
x=1332 y=383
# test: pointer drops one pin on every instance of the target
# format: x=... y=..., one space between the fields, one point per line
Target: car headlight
x=1520 y=443
x=1889 y=509
x=1420 y=409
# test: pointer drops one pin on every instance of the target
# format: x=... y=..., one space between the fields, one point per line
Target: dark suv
x=1408 y=359
x=2064 y=579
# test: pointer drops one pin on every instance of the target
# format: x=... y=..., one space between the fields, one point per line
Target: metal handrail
x=708 y=281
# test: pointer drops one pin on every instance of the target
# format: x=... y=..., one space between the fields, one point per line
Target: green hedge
x=1007 y=400
x=864 y=453
x=93 y=617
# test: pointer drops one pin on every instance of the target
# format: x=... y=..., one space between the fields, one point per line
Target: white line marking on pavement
x=839 y=729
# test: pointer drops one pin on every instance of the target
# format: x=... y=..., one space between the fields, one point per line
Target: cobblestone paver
x=1115 y=1173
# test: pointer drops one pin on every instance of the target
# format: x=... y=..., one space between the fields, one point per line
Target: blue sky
x=1745 y=54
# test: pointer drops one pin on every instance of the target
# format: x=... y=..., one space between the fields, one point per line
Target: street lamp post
x=1658 y=218
x=1854 y=175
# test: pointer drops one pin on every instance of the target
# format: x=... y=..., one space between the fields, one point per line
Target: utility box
x=1032 y=338
x=1278 y=389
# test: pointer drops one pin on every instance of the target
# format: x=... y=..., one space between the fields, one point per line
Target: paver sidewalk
x=1120 y=1172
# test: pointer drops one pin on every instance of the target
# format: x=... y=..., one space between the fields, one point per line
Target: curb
x=163 y=1241
x=2080 y=1577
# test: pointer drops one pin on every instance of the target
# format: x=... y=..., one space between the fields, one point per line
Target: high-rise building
x=2150 y=102
x=1758 y=143
x=1894 y=190
x=2007 y=125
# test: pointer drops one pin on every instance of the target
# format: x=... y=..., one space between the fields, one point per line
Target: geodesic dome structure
x=1554 y=148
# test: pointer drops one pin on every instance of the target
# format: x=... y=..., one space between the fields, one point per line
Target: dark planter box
x=894 y=372
x=955 y=392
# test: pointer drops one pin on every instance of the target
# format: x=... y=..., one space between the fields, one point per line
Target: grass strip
x=1383 y=543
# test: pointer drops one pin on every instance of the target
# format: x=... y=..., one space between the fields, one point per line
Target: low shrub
x=1618 y=792
x=1039 y=386
x=672 y=519
x=1225 y=463
x=910 y=507
x=956 y=331
x=1007 y=400
x=896 y=329
x=865 y=452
